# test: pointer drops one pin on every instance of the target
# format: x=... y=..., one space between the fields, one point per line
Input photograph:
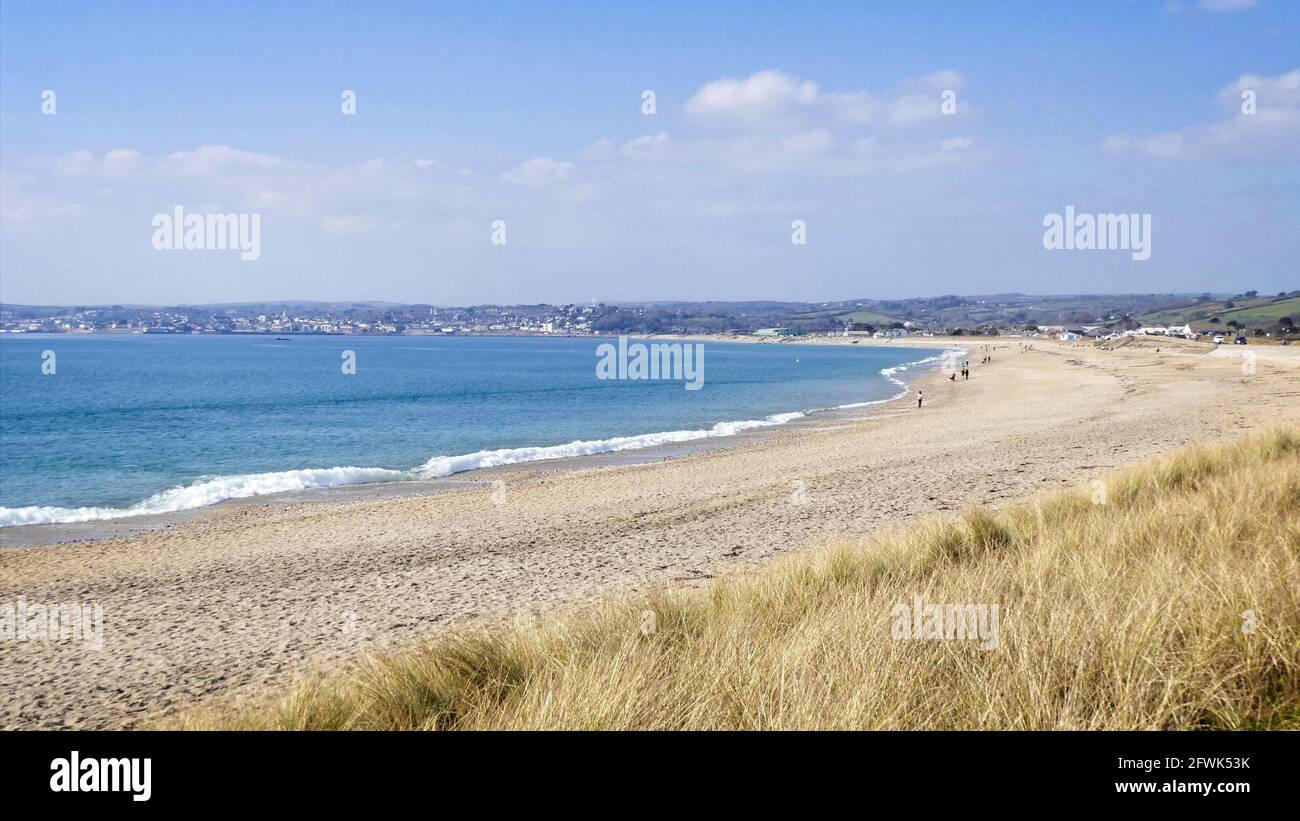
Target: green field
x=869 y=317
x=1249 y=312
x=1264 y=314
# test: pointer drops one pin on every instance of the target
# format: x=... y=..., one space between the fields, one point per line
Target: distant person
x=920 y=397
x=952 y=377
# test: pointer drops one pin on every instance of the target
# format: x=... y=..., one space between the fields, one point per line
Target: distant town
x=1247 y=314
x=303 y=318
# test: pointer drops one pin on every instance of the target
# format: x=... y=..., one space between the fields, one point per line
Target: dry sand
x=246 y=597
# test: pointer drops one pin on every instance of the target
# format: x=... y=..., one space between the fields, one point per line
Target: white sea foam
x=891 y=375
x=202 y=493
x=209 y=491
x=440 y=466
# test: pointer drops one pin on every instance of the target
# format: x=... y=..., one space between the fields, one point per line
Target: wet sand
x=228 y=601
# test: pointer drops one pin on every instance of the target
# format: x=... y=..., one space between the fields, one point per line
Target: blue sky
x=530 y=113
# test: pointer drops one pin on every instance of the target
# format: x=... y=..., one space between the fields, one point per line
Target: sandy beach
x=233 y=600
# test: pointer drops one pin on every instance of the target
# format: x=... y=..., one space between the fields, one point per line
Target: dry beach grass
x=1167 y=597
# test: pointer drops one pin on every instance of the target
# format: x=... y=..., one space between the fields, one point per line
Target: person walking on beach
x=920 y=397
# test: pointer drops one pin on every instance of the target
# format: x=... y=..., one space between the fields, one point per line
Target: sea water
x=135 y=424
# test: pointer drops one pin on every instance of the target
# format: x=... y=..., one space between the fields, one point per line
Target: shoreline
x=237 y=602
x=677 y=443
x=53 y=534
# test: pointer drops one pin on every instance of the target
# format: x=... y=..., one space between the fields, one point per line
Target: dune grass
x=1167 y=597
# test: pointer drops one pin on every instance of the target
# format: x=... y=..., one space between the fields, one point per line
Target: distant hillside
x=1247 y=311
x=990 y=313
x=1010 y=310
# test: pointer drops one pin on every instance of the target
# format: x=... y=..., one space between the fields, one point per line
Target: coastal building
x=1074 y=334
x=776 y=332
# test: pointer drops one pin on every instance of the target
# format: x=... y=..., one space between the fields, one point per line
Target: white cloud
x=785 y=152
x=119 y=162
x=711 y=172
x=913 y=108
x=649 y=145
x=1273 y=127
x=761 y=99
x=22 y=209
x=868 y=156
x=219 y=159
x=537 y=172
x=773 y=100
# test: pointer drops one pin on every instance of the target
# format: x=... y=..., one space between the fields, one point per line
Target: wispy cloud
x=537 y=172
x=24 y=206
x=1261 y=118
x=739 y=133
x=773 y=100
x=119 y=162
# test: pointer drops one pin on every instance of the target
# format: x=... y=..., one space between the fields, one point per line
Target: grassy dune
x=1121 y=606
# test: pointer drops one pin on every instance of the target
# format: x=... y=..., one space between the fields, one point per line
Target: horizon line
x=386 y=302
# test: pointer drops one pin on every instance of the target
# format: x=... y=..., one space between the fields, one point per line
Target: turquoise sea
x=134 y=424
